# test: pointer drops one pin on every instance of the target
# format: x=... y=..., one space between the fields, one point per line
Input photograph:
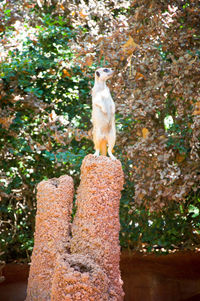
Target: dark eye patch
x=106 y=70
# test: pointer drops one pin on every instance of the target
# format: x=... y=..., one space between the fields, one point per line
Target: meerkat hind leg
x=96 y=143
x=111 y=155
x=96 y=154
x=111 y=143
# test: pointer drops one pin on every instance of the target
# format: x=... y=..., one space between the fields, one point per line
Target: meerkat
x=103 y=114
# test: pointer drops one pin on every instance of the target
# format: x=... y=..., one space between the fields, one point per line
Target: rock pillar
x=54 y=204
x=95 y=229
x=88 y=270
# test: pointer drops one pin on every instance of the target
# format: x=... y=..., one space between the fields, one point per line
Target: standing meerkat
x=103 y=114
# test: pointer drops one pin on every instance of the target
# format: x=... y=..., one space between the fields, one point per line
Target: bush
x=44 y=100
x=46 y=106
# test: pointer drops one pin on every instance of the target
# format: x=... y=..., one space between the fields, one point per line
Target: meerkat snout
x=103 y=74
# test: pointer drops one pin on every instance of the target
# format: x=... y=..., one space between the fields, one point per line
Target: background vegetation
x=49 y=51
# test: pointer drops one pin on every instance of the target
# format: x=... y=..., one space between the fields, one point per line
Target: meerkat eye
x=106 y=70
x=97 y=73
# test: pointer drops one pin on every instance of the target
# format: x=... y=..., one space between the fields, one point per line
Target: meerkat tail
x=103 y=147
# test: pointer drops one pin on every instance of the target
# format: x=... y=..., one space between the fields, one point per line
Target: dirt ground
x=174 y=277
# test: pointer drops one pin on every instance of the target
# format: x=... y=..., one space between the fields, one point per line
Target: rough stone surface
x=77 y=277
x=91 y=271
x=54 y=204
x=96 y=226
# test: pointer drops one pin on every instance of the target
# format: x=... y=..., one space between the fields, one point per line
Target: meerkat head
x=102 y=74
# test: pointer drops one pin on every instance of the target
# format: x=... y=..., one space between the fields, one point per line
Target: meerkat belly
x=102 y=121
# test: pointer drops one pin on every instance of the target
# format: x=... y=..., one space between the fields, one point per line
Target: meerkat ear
x=97 y=73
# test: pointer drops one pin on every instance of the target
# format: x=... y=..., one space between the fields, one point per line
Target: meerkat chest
x=109 y=104
x=104 y=97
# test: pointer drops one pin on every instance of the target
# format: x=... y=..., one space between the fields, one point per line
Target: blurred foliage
x=49 y=51
x=173 y=229
x=43 y=99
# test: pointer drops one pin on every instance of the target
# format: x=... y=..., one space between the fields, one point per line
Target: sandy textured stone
x=54 y=204
x=96 y=226
x=91 y=272
x=77 y=277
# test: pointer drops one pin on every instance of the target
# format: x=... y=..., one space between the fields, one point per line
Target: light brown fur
x=103 y=114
